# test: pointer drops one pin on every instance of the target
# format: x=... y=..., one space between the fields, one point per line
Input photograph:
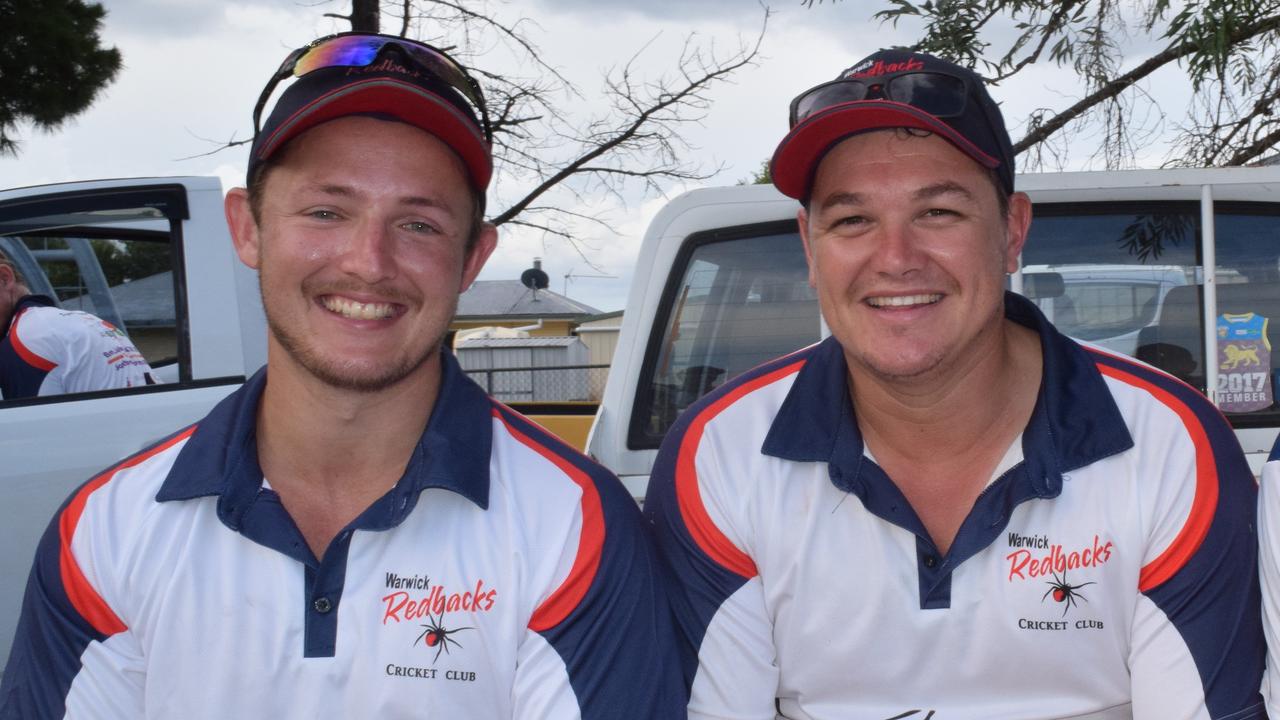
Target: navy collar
x=1075 y=421
x=24 y=302
x=221 y=458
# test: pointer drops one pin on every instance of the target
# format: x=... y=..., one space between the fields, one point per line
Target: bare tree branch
x=659 y=108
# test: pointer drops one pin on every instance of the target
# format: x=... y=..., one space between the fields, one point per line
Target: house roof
x=508 y=298
x=603 y=316
x=147 y=301
x=518 y=342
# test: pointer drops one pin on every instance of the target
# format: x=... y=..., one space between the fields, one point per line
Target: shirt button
x=929 y=561
x=322 y=605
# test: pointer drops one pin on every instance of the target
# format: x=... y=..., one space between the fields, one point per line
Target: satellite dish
x=534 y=278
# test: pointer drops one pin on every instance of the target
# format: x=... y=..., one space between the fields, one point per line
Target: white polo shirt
x=1109 y=573
x=504 y=576
x=50 y=351
x=1269 y=566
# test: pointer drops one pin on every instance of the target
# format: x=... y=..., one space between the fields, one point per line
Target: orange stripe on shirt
x=1205 y=501
x=84 y=598
x=564 y=599
x=699 y=523
x=27 y=354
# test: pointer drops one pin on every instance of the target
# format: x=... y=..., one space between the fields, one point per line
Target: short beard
x=340 y=375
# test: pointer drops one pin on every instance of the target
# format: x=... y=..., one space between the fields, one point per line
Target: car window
x=738 y=302
x=108 y=318
x=1130 y=279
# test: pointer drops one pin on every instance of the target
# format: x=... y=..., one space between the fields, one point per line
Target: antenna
x=571 y=274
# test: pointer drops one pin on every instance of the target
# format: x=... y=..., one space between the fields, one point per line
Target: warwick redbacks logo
x=1025 y=562
x=415 y=598
x=1035 y=558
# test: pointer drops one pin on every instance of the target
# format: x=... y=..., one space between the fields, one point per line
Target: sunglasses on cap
x=356 y=49
x=939 y=94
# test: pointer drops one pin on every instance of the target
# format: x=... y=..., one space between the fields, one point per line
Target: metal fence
x=564 y=383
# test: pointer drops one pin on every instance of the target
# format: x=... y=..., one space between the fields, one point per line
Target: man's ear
x=479 y=254
x=243 y=227
x=1017 y=224
x=802 y=221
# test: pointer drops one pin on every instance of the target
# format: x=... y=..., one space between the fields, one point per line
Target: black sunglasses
x=939 y=94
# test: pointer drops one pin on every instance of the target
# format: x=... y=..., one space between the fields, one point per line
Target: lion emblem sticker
x=1244 y=363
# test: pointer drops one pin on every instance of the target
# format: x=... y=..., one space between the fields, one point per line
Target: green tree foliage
x=52 y=63
x=760 y=177
x=121 y=262
x=1226 y=49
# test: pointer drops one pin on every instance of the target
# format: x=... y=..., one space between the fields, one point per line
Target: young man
x=359 y=531
x=948 y=509
x=45 y=350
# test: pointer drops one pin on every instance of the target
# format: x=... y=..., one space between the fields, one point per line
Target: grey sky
x=667 y=10
x=163 y=17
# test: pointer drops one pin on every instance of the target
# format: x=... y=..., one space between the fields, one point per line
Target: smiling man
x=359 y=531
x=948 y=509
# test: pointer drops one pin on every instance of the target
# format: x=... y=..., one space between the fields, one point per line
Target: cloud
x=682 y=10
x=170 y=18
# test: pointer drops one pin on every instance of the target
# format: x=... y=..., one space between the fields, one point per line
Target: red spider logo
x=436 y=636
x=1064 y=593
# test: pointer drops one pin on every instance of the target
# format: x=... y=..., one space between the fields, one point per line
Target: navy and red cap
x=387 y=89
x=978 y=130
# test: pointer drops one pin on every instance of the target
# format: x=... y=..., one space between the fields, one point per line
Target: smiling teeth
x=903 y=300
x=357 y=310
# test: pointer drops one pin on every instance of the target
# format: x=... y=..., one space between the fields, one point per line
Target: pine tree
x=52 y=63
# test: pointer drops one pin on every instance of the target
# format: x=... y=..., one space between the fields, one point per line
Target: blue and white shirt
x=1108 y=571
x=1269 y=566
x=46 y=350
x=504 y=576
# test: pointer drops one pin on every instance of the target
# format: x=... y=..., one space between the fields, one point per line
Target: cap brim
x=403 y=101
x=797 y=156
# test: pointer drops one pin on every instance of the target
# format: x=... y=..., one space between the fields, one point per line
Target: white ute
x=198 y=320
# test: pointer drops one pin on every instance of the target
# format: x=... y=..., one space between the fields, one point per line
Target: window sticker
x=1244 y=363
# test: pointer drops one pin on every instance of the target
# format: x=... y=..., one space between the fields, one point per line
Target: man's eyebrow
x=841 y=198
x=421 y=201
x=345 y=191
x=946 y=187
x=339 y=190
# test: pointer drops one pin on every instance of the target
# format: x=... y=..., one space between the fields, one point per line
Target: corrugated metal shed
x=600 y=334
x=527 y=369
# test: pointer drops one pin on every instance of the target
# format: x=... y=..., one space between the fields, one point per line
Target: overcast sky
x=193 y=69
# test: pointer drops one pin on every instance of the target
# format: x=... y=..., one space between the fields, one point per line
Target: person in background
x=45 y=350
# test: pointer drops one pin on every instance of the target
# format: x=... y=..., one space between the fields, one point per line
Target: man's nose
x=370 y=252
x=899 y=250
